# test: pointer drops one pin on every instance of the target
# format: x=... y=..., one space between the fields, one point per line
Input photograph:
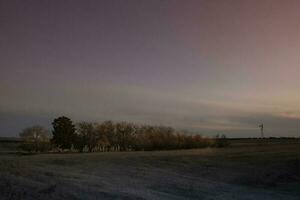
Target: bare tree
x=34 y=138
x=125 y=133
x=86 y=136
x=106 y=135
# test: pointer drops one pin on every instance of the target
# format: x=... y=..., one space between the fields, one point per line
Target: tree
x=63 y=132
x=106 y=135
x=221 y=141
x=35 y=138
x=86 y=136
x=125 y=134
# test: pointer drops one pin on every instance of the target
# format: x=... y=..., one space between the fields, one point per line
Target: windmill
x=261 y=126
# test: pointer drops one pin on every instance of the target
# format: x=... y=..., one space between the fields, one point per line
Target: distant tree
x=106 y=135
x=86 y=136
x=35 y=138
x=221 y=141
x=167 y=137
x=125 y=134
x=64 y=135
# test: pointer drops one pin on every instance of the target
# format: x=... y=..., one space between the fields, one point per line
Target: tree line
x=111 y=136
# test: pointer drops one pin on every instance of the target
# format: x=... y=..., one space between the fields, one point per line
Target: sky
x=208 y=66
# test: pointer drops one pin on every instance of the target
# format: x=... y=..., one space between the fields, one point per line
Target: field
x=249 y=169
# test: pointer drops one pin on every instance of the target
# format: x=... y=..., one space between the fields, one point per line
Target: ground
x=270 y=171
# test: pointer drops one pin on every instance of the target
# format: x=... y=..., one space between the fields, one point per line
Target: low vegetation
x=112 y=136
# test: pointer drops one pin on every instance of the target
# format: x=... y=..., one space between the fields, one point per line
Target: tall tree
x=64 y=135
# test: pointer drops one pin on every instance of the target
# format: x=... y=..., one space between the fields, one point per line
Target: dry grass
x=250 y=172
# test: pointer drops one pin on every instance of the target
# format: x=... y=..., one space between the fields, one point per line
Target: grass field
x=253 y=171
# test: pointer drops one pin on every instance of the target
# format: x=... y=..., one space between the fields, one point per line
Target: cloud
x=39 y=104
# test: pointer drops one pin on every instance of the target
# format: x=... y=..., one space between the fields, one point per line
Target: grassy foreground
x=243 y=172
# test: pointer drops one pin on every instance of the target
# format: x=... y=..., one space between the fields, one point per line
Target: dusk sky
x=214 y=66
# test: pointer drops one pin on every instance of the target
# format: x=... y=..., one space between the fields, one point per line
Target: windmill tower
x=261 y=126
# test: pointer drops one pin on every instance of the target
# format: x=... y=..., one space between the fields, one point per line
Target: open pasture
x=237 y=172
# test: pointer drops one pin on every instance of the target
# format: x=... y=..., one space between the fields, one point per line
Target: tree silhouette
x=63 y=132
